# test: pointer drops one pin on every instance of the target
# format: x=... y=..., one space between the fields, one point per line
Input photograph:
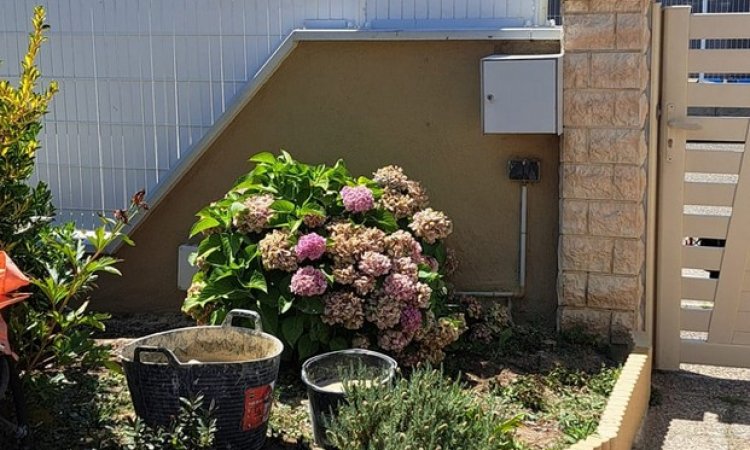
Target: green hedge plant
x=329 y=260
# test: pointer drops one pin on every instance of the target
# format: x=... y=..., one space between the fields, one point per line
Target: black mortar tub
x=233 y=367
x=321 y=372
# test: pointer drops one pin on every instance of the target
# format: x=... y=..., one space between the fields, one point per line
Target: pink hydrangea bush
x=330 y=261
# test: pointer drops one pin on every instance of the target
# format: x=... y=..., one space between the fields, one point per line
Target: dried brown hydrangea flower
x=276 y=251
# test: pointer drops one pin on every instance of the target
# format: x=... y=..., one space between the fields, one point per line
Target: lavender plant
x=329 y=260
x=424 y=411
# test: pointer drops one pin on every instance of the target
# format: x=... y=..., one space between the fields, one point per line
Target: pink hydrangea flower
x=406 y=266
x=310 y=246
x=375 y=264
x=357 y=198
x=383 y=312
x=400 y=287
x=393 y=340
x=308 y=282
x=411 y=319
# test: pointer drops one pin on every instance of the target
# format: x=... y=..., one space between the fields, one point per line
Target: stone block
x=642 y=109
x=616 y=70
x=628 y=257
x=630 y=108
x=574 y=217
x=591 y=321
x=576 y=70
x=617 y=145
x=587 y=181
x=575 y=6
x=629 y=182
x=645 y=72
x=616 y=219
x=589 y=32
x=586 y=108
x=572 y=288
x=586 y=253
x=618 y=5
x=575 y=145
x=623 y=324
x=632 y=31
x=613 y=292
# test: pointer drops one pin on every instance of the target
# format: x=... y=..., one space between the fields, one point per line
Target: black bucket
x=322 y=375
x=234 y=367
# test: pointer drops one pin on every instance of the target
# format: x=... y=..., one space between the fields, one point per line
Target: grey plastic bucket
x=233 y=367
x=324 y=370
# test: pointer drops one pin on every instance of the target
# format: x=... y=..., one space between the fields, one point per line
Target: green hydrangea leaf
x=292 y=328
x=263 y=157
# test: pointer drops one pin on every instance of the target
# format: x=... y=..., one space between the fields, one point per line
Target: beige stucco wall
x=416 y=104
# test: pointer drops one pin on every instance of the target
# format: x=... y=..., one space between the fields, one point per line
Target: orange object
x=11 y=279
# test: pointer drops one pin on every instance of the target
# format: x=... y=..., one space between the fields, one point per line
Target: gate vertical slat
x=653 y=164
x=675 y=46
x=728 y=291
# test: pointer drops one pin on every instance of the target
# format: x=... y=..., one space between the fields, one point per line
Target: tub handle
x=171 y=358
x=246 y=313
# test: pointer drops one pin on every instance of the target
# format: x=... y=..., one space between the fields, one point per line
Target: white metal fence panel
x=141 y=81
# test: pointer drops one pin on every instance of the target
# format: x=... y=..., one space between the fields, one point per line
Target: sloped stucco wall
x=415 y=104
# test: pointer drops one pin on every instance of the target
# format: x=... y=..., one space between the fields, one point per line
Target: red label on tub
x=257 y=406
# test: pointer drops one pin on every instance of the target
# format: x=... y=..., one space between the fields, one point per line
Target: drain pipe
x=520 y=292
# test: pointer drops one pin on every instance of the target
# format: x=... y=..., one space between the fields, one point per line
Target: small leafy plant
x=425 y=411
x=57 y=326
x=528 y=391
x=329 y=260
x=193 y=429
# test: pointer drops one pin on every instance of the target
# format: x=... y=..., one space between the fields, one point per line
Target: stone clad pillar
x=601 y=283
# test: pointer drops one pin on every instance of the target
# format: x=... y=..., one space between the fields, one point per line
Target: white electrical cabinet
x=522 y=94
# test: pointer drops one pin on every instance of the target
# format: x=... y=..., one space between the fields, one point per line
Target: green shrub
x=25 y=210
x=193 y=429
x=329 y=260
x=54 y=325
x=425 y=411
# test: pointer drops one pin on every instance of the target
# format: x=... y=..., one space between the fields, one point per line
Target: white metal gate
x=703 y=269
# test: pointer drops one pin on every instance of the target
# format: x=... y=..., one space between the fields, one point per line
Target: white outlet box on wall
x=185 y=271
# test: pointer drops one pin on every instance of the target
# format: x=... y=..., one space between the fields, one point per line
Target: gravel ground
x=699 y=408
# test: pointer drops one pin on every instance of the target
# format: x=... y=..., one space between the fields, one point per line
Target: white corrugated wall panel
x=141 y=81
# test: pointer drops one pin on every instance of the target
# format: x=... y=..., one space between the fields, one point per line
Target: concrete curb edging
x=626 y=407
